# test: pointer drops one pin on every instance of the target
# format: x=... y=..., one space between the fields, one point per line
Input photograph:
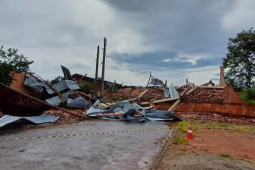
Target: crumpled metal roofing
x=44 y=118
x=128 y=112
x=116 y=107
x=64 y=84
x=78 y=102
x=56 y=100
x=173 y=92
x=166 y=92
x=33 y=84
x=157 y=115
x=154 y=81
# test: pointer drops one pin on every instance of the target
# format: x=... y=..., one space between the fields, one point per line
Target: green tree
x=239 y=64
x=11 y=62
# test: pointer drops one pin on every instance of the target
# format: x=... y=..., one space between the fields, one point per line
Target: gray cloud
x=192 y=25
x=144 y=35
x=162 y=60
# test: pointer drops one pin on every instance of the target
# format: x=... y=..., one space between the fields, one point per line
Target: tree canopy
x=11 y=62
x=239 y=64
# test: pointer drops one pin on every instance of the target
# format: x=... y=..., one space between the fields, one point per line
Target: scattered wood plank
x=184 y=92
x=174 y=105
x=161 y=100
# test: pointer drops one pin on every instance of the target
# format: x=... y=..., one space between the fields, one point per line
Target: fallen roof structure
x=16 y=103
x=135 y=113
x=44 y=118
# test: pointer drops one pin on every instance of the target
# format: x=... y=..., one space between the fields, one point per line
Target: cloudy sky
x=172 y=39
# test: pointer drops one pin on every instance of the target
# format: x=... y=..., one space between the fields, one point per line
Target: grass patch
x=213 y=125
x=180 y=140
x=241 y=159
x=184 y=125
x=226 y=156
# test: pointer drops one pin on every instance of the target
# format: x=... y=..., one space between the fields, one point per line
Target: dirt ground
x=213 y=149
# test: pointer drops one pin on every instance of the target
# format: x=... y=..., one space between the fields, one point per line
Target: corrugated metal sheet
x=56 y=100
x=128 y=112
x=33 y=84
x=154 y=81
x=78 y=102
x=64 y=84
x=66 y=73
x=48 y=89
x=173 y=92
x=166 y=92
x=44 y=118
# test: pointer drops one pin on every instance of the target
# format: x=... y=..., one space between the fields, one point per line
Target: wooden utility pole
x=103 y=70
x=96 y=76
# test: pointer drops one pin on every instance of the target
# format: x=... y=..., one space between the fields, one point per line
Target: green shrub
x=248 y=95
x=86 y=87
x=180 y=140
x=112 y=88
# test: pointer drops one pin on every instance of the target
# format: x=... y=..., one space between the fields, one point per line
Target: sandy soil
x=220 y=141
x=205 y=151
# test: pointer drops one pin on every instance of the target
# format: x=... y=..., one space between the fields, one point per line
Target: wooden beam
x=191 y=90
x=161 y=100
x=174 y=105
x=211 y=87
x=184 y=92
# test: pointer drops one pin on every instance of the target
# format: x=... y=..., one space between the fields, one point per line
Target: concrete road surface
x=125 y=150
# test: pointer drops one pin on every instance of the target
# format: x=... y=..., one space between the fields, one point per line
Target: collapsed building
x=156 y=101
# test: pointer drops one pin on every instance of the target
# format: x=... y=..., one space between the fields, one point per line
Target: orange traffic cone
x=190 y=133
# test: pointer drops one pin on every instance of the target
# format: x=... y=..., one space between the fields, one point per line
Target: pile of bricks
x=153 y=93
x=65 y=118
x=181 y=89
x=128 y=93
x=214 y=117
x=208 y=95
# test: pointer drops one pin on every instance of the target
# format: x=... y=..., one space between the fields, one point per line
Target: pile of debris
x=127 y=112
x=203 y=94
x=65 y=118
x=214 y=117
x=127 y=93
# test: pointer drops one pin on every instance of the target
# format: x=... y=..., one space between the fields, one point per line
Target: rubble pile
x=127 y=93
x=214 y=117
x=181 y=89
x=65 y=118
x=208 y=95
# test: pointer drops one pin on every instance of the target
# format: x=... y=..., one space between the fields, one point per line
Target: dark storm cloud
x=162 y=59
x=192 y=25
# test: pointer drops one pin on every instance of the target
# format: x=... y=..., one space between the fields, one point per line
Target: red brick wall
x=234 y=109
x=19 y=84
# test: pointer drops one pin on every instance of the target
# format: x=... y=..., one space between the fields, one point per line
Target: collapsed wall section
x=128 y=93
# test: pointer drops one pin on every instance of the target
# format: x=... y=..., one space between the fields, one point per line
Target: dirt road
x=124 y=150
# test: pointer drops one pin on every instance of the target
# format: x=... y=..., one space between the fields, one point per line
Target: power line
x=90 y=66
